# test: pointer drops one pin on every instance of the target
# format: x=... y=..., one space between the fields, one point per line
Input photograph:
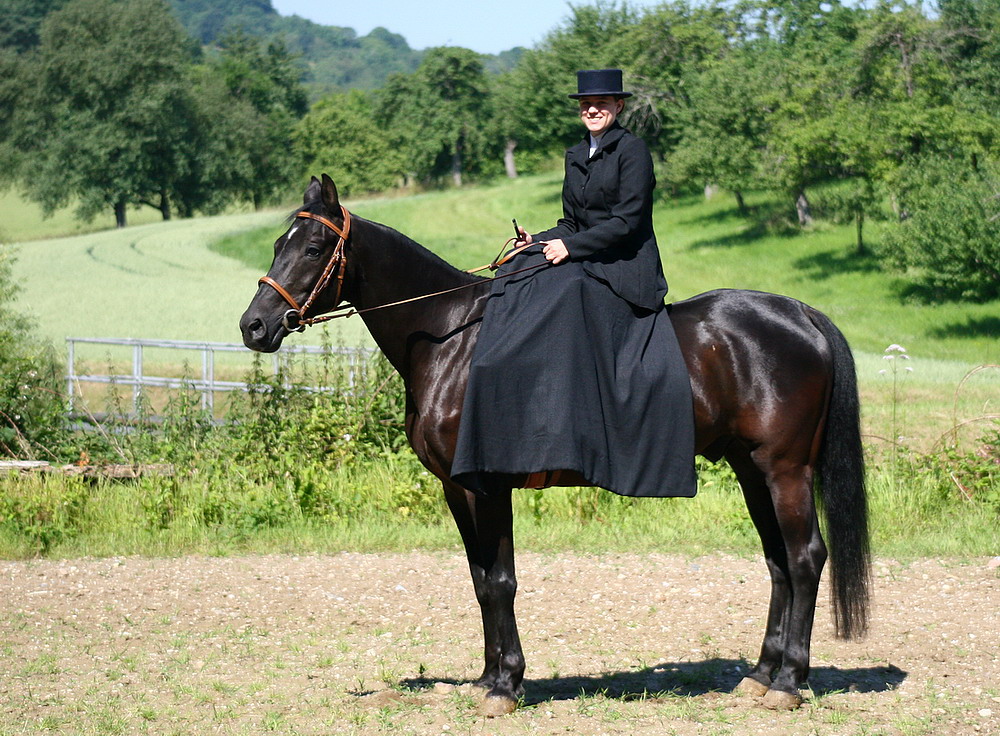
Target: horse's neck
x=396 y=268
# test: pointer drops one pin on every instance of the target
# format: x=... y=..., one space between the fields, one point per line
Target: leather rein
x=336 y=267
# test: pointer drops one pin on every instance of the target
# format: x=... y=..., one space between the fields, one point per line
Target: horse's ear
x=331 y=200
x=312 y=191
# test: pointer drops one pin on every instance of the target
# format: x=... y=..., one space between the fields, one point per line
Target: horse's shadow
x=687 y=679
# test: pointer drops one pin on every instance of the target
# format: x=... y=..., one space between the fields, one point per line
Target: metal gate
x=207 y=384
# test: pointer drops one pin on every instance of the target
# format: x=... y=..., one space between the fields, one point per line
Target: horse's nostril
x=254 y=331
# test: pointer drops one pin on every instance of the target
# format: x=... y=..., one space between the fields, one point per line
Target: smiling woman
x=584 y=349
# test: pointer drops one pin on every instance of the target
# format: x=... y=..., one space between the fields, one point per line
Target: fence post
x=71 y=373
x=137 y=375
x=208 y=378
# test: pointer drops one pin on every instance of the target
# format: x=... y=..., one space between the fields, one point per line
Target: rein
x=337 y=263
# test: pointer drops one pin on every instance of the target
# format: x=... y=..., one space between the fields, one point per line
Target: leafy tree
x=20 y=21
x=262 y=73
x=339 y=136
x=807 y=59
x=103 y=117
x=949 y=241
x=435 y=115
x=723 y=127
x=257 y=119
x=12 y=90
x=662 y=52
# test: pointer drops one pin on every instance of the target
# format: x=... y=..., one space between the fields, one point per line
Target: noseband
x=334 y=265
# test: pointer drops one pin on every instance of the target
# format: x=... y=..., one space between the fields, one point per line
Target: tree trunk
x=859 y=221
x=710 y=190
x=740 y=202
x=802 y=209
x=164 y=205
x=456 y=165
x=508 y=158
x=120 y=214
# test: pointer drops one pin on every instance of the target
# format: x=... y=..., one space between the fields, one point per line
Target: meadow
x=927 y=430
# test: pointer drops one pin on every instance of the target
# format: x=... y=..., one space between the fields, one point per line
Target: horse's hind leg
x=758 y=500
x=781 y=506
x=486 y=525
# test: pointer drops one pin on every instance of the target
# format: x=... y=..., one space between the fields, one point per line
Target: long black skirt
x=566 y=375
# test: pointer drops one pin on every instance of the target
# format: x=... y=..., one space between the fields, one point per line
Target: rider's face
x=599 y=113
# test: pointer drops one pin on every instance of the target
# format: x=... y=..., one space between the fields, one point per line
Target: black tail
x=842 y=490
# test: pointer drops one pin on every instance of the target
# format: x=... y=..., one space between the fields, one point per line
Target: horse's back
x=759 y=364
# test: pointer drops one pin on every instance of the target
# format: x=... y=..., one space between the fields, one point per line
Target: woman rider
x=576 y=368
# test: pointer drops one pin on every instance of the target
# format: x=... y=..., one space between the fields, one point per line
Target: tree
x=104 y=116
x=339 y=136
x=436 y=115
x=663 y=52
x=257 y=117
x=723 y=127
x=807 y=57
x=20 y=21
x=949 y=241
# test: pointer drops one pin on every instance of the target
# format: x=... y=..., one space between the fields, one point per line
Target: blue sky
x=486 y=27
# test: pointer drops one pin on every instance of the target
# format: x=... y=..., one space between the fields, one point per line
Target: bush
x=949 y=242
x=973 y=474
x=44 y=511
x=31 y=400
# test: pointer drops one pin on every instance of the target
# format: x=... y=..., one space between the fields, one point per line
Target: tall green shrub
x=31 y=404
x=948 y=243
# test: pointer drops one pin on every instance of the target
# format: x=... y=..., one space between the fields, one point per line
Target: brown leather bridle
x=334 y=265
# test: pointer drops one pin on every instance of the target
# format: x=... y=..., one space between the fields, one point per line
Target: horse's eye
x=312 y=252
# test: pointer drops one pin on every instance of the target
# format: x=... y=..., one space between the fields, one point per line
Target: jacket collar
x=580 y=153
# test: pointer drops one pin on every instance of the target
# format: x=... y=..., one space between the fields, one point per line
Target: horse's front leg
x=486 y=525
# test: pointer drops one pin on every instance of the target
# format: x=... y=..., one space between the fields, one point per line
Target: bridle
x=337 y=263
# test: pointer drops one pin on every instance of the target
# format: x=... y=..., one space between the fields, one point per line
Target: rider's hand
x=523 y=237
x=555 y=251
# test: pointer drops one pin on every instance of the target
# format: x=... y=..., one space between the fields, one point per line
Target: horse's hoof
x=780 y=700
x=749 y=686
x=493 y=706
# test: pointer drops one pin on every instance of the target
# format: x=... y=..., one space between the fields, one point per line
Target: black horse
x=775 y=394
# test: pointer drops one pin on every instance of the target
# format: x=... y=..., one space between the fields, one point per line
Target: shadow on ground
x=687 y=679
x=971 y=327
x=836 y=263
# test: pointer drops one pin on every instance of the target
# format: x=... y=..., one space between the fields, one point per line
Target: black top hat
x=597 y=82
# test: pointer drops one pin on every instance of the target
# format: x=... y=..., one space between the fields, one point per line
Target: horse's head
x=307 y=271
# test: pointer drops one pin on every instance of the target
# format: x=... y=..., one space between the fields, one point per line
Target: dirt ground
x=380 y=644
